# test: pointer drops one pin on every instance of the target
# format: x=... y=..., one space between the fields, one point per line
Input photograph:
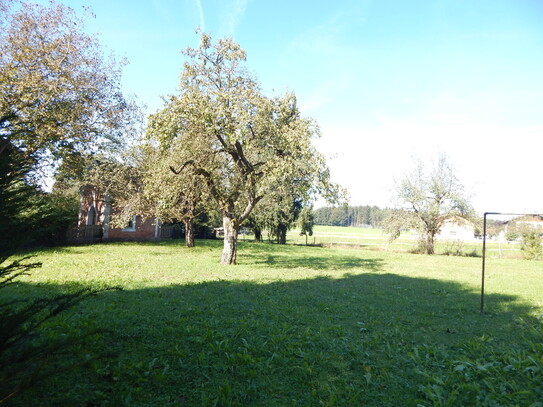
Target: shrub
x=531 y=246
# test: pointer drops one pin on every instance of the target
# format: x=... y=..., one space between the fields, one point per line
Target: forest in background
x=359 y=216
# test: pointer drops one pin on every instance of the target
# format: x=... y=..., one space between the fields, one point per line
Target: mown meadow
x=376 y=239
x=289 y=325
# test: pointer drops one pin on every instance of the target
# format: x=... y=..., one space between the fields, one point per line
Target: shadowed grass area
x=289 y=326
x=289 y=257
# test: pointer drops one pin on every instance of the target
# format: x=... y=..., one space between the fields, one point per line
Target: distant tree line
x=360 y=216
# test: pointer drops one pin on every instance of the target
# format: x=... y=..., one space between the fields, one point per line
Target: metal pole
x=483 y=271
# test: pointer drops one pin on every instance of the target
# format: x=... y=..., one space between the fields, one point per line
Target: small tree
x=276 y=213
x=428 y=199
x=283 y=219
x=306 y=221
x=256 y=221
x=169 y=196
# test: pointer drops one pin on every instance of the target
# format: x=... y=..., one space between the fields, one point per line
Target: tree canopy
x=428 y=197
x=58 y=93
x=240 y=143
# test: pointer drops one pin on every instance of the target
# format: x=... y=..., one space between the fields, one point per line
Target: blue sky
x=385 y=79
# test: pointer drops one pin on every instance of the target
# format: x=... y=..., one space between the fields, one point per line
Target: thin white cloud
x=234 y=14
x=200 y=8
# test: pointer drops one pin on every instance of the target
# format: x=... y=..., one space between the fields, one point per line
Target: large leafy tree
x=240 y=143
x=428 y=197
x=58 y=94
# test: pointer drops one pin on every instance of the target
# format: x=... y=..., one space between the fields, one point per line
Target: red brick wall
x=144 y=231
x=91 y=197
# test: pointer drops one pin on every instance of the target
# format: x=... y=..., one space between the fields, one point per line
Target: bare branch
x=177 y=172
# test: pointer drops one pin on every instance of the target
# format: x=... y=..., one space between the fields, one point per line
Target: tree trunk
x=189 y=233
x=258 y=235
x=282 y=235
x=230 y=241
x=429 y=243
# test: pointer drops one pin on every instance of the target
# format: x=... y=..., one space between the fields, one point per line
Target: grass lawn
x=376 y=239
x=291 y=326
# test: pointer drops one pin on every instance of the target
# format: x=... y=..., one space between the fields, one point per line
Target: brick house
x=94 y=222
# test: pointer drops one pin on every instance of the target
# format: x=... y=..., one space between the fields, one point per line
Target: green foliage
x=47 y=218
x=120 y=180
x=58 y=96
x=397 y=221
x=485 y=375
x=29 y=217
x=458 y=248
x=531 y=245
x=277 y=213
x=15 y=195
x=339 y=216
x=528 y=230
x=306 y=222
x=512 y=236
x=180 y=197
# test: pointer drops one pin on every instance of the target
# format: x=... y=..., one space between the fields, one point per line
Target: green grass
x=376 y=239
x=292 y=325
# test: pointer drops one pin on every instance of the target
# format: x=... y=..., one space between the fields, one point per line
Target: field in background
x=376 y=239
x=291 y=325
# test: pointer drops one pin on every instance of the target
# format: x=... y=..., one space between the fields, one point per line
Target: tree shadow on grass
x=290 y=257
x=367 y=339
x=321 y=262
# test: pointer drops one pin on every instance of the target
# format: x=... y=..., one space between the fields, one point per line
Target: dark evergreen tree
x=25 y=355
